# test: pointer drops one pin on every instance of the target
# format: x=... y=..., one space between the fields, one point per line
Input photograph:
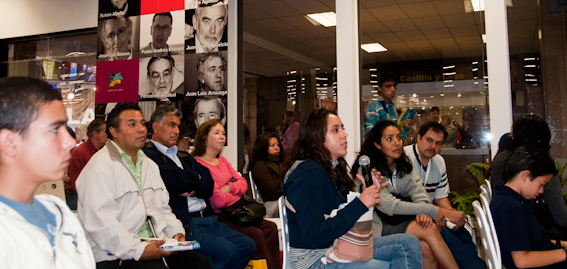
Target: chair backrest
x=489 y=185
x=491 y=256
x=285 y=232
x=485 y=188
x=255 y=192
x=486 y=205
x=56 y=188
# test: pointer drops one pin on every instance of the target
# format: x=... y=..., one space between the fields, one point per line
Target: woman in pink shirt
x=229 y=185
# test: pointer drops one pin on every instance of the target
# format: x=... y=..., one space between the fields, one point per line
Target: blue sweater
x=310 y=191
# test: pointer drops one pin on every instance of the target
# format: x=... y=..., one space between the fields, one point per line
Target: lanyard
x=393 y=180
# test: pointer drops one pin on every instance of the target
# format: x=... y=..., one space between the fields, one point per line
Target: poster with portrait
x=164 y=52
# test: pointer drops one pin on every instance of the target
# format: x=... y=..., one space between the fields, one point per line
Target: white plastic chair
x=486 y=189
x=489 y=185
x=255 y=192
x=485 y=201
x=285 y=233
x=493 y=259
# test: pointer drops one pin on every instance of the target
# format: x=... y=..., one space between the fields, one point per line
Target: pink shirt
x=221 y=174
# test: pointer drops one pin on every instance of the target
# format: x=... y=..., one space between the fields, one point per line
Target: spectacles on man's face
x=121 y=33
x=166 y=75
x=161 y=28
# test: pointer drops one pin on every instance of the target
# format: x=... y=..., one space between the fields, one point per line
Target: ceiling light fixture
x=373 y=47
x=327 y=19
x=478 y=5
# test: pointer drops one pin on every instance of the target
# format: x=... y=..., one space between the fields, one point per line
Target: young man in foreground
x=35 y=147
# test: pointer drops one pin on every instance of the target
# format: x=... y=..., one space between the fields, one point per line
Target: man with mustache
x=209 y=23
x=35 y=147
x=122 y=199
x=430 y=166
x=160 y=77
x=190 y=187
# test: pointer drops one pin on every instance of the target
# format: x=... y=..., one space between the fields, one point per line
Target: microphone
x=364 y=163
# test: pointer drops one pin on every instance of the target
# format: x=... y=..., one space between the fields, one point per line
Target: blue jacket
x=312 y=194
x=193 y=177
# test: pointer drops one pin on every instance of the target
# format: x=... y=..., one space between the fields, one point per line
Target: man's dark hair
x=531 y=130
x=447 y=118
x=95 y=125
x=21 y=99
x=530 y=158
x=113 y=120
x=153 y=59
x=168 y=14
x=433 y=126
x=435 y=109
x=160 y=113
x=385 y=77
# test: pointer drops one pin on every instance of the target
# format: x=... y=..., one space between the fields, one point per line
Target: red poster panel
x=117 y=81
x=160 y=6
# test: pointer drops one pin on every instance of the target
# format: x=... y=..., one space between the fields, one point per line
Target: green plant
x=464 y=202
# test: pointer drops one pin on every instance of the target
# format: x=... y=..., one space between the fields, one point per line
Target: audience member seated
x=533 y=130
x=229 y=186
x=405 y=195
x=318 y=182
x=266 y=168
x=96 y=132
x=35 y=147
x=190 y=186
x=291 y=130
x=522 y=243
x=452 y=132
x=120 y=191
x=431 y=168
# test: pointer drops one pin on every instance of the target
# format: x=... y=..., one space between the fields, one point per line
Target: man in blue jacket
x=190 y=185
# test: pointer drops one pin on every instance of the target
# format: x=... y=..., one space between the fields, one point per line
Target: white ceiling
x=278 y=38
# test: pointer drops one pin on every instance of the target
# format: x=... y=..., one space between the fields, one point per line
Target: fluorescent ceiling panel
x=373 y=47
x=478 y=5
x=327 y=19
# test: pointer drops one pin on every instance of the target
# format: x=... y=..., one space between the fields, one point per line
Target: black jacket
x=193 y=177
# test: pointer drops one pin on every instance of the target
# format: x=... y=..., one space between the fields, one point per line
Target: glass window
x=436 y=50
x=289 y=63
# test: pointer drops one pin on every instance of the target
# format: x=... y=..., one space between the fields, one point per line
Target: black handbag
x=245 y=212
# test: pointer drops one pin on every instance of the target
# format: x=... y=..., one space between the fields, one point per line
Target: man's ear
x=9 y=142
x=223 y=121
x=113 y=131
x=154 y=127
x=418 y=137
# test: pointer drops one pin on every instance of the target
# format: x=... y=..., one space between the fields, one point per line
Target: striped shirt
x=433 y=174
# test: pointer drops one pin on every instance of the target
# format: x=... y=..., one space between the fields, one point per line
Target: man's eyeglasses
x=166 y=75
x=121 y=33
x=161 y=28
